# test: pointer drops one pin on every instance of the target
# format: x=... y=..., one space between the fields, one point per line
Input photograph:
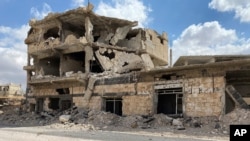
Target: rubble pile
x=238 y=116
x=91 y=120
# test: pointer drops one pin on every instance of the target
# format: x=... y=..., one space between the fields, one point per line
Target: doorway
x=169 y=101
x=39 y=104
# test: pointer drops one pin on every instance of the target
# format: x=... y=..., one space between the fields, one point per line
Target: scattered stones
x=90 y=120
x=217 y=126
x=64 y=118
x=177 y=122
x=180 y=127
x=161 y=120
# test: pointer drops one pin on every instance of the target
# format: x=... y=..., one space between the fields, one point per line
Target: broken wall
x=72 y=62
x=118 y=61
x=157 y=47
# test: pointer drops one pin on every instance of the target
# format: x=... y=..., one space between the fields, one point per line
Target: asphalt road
x=47 y=134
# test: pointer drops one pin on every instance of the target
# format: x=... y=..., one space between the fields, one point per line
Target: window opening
x=114 y=105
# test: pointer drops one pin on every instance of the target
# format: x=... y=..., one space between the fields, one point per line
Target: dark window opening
x=162 y=41
x=170 y=101
x=151 y=37
x=51 y=33
x=166 y=104
x=66 y=104
x=49 y=66
x=78 y=30
x=32 y=107
x=168 y=76
x=73 y=62
x=54 y=103
x=95 y=66
x=39 y=105
x=114 y=105
x=108 y=54
x=63 y=91
x=96 y=38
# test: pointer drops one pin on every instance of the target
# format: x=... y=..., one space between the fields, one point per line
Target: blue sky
x=194 y=27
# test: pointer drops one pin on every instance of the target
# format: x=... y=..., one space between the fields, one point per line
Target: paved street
x=44 y=134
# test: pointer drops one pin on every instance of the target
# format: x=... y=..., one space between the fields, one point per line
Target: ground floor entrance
x=169 y=101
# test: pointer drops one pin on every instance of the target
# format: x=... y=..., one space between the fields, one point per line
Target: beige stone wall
x=44 y=92
x=145 y=88
x=156 y=48
x=137 y=105
x=77 y=90
x=78 y=101
x=95 y=103
x=116 y=88
x=204 y=96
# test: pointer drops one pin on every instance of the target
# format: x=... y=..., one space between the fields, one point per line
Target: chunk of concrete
x=120 y=33
x=119 y=61
x=64 y=118
x=177 y=122
x=147 y=61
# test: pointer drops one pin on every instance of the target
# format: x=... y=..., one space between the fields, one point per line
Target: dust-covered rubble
x=99 y=120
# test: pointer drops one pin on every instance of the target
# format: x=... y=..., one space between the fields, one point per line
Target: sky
x=194 y=27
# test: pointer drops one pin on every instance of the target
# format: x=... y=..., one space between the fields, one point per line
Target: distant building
x=11 y=94
x=10 y=89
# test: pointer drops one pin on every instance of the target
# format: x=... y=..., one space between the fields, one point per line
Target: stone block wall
x=78 y=101
x=204 y=96
x=96 y=103
x=44 y=92
x=137 y=105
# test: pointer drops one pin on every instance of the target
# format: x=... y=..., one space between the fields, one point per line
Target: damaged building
x=10 y=93
x=79 y=58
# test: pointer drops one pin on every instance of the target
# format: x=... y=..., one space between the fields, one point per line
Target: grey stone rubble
x=100 y=120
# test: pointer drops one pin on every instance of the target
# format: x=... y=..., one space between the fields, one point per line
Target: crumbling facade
x=70 y=54
x=78 y=58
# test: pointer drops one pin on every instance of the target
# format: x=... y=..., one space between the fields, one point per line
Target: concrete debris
x=1 y=112
x=78 y=118
x=238 y=116
x=161 y=120
x=120 y=33
x=64 y=118
x=177 y=122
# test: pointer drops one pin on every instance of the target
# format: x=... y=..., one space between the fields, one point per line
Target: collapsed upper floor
x=72 y=30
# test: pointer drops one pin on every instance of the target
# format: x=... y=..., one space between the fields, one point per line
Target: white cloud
x=209 y=38
x=41 y=14
x=240 y=7
x=134 y=10
x=13 y=54
x=77 y=3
